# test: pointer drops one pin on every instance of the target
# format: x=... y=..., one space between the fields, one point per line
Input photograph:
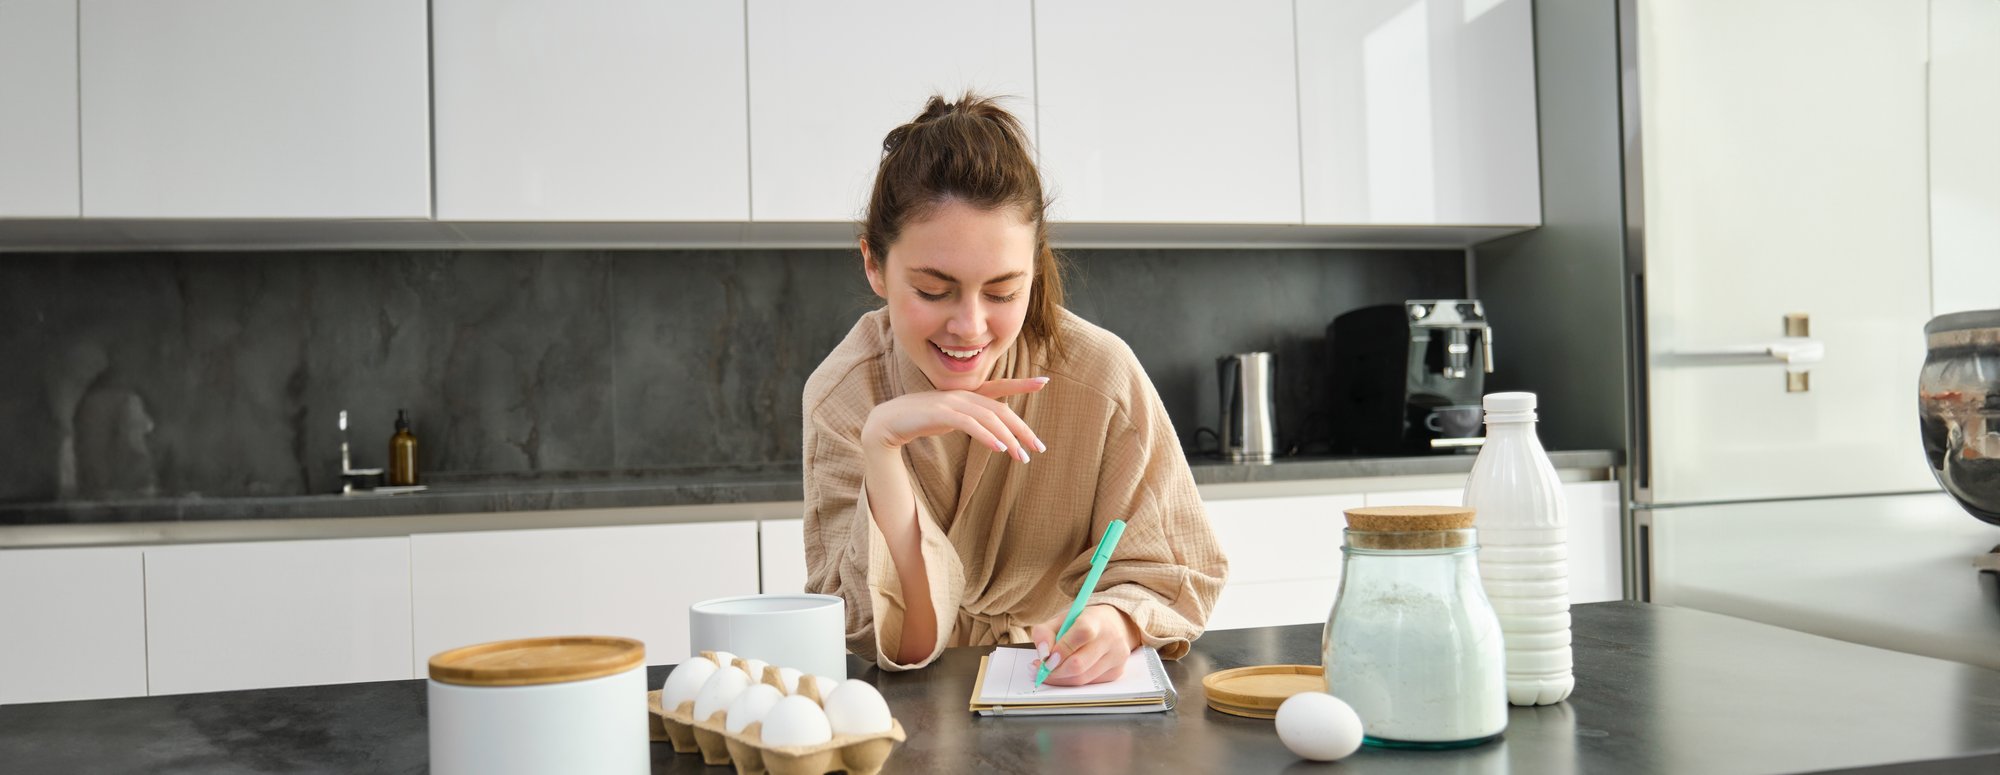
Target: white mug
x=801 y=631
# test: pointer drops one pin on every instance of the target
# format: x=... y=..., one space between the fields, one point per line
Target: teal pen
x=1105 y=546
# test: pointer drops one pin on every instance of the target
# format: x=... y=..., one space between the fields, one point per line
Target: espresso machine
x=1407 y=378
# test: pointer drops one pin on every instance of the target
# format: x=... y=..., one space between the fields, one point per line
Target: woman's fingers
x=1000 y=388
x=994 y=390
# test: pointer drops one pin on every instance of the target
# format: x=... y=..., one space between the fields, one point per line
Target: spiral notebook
x=1006 y=687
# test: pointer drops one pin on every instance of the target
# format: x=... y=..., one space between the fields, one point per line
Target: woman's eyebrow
x=941 y=275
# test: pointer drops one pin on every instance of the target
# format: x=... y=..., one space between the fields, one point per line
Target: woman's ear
x=874 y=270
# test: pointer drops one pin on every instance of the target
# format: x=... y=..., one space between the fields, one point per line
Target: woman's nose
x=968 y=322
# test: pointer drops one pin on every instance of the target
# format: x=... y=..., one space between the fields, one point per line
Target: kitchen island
x=1659 y=689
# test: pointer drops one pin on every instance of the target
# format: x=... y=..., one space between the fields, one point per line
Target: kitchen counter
x=1659 y=689
x=459 y=494
x=1893 y=571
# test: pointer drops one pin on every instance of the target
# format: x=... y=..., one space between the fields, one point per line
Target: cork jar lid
x=535 y=661
x=1409 y=527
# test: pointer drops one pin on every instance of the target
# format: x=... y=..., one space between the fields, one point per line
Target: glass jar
x=1412 y=643
x=1958 y=408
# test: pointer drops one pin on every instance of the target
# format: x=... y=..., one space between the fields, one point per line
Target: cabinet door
x=634 y=582
x=1284 y=558
x=624 y=110
x=782 y=543
x=38 y=175
x=1182 y=110
x=1418 y=113
x=1596 y=558
x=829 y=79
x=283 y=613
x=1964 y=159
x=1785 y=172
x=75 y=623
x=255 y=109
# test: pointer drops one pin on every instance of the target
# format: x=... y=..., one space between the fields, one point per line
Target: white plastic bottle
x=1523 y=527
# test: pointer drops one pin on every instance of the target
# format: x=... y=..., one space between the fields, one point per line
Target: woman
x=922 y=507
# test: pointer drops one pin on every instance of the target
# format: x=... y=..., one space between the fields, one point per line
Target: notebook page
x=1010 y=678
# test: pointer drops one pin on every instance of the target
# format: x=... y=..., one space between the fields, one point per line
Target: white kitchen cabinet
x=1176 y=111
x=828 y=80
x=1414 y=113
x=72 y=623
x=255 y=109
x=38 y=173
x=1454 y=496
x=781 y=545
x=1284 y=558
x=634 y=581
x=281 y=613
x=1784 y=172
x=1964 y=107
x=624 y=110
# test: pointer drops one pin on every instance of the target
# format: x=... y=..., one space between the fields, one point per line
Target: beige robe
x=1006 y=544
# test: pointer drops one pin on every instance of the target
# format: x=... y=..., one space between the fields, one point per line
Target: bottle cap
x=1510 y=407
x=401 y=423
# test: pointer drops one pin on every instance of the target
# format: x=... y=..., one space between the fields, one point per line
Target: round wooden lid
x=534 y=661
x=1257 y=691
x=1409 y=518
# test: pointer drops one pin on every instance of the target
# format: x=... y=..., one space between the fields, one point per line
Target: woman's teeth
x=963 y=355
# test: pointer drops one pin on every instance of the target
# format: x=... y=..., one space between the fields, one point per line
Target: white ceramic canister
x=802 y=631
x=539 y=705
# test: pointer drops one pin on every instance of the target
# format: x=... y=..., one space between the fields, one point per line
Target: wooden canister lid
x=534 y=661
x=1257 y=691
x=1401 y=519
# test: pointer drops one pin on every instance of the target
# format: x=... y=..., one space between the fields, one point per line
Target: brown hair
x=975 y=152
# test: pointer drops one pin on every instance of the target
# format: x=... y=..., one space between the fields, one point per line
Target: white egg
x=825 y=686
x=790 y=676
x=750 y=706
x=1318 y=726
x=755 y=667
x=685 y=681
x=856 y=708
x=795 y=720
x=724 y=658
x=718 y=691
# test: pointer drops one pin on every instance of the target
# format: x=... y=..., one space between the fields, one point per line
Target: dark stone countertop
x=475 y=494
x=1659 y=690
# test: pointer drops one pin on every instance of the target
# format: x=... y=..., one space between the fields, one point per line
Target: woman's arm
x=892 y=500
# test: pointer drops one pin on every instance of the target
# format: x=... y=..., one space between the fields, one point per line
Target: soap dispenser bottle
x=402 y=454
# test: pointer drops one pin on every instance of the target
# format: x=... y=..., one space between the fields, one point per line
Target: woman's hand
x=978 y=413
x=1094 y=649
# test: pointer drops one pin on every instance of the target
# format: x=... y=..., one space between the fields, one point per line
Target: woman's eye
x=997 y=299
x=930 y=296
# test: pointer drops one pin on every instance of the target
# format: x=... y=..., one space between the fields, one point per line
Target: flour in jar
x=1417 y=668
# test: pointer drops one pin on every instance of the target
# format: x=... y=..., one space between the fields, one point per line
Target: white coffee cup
x=801 y=631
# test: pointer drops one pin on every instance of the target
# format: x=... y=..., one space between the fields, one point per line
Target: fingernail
x=1021 y=455
x=999 y=447
x=1042 y=650
x=1055 y=661
x=1040 y=447
x=1043 y=380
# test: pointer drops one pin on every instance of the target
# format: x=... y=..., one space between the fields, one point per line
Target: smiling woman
x=912 y=514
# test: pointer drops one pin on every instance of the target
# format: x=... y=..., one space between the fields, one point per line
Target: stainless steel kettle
x=1249 y=422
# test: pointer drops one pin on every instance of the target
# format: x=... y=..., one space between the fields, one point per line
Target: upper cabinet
x=1417 y=113
x=828 y=80
x=255 y=109
x=1174 y=111
x=38 y=176
x=407 y=124
x=619 y=110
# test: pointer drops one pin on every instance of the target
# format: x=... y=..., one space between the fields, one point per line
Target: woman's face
x=957 y=286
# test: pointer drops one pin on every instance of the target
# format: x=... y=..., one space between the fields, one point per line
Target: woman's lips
x=958 y=365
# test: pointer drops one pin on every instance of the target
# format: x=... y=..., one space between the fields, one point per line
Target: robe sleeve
x=847 y=555
x=1168 y=568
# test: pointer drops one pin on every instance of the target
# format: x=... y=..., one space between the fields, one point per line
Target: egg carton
x=857 y=754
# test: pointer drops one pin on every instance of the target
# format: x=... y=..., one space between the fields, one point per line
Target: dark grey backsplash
x=132 y=375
